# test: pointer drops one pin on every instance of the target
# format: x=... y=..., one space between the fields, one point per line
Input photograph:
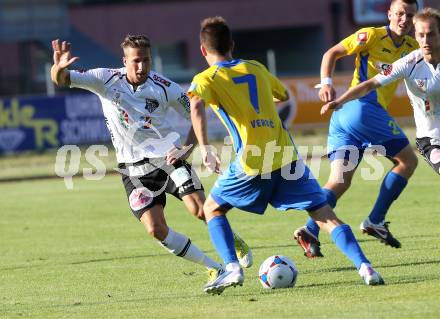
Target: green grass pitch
x=80 y=254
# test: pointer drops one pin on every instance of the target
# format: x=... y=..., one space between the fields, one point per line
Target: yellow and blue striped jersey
x=375 y=52
x=241 y=93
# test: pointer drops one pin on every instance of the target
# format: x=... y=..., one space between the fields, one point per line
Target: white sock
x=362 y=268
x=181 y=246
x=233 y=266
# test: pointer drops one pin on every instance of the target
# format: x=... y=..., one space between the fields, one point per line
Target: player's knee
x=410 y=163
x=157 y=231
x=340 y=182
x=196 y=209
x=194 y=203
x=326 y=218
x=199 y=213
x=209 y=209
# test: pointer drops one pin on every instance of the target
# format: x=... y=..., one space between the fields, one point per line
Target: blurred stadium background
x=288 y=36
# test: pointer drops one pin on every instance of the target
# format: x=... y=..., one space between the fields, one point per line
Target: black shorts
x=426 y=148
x=146 y=182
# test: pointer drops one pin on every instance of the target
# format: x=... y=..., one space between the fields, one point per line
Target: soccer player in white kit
x=151 y=158
x=421 y=72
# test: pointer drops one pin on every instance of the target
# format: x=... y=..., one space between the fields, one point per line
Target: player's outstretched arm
x=62 y=59
x=191 y=139
x=327 y=92
x=182 y=153
x=353 y=93
x=198 y=119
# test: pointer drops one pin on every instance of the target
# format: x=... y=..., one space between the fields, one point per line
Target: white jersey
x=136 y=119
x=422 y=82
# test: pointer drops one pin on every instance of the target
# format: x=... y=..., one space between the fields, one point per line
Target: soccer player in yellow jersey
x=365 y=122
x=266 y=169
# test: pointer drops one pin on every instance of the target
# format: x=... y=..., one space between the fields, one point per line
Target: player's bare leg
x=154 y=222
x=341 y=175
x=194 y=203
x=405 y=162
x=178 y=244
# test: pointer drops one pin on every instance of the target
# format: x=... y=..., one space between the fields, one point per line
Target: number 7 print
x=251 y=81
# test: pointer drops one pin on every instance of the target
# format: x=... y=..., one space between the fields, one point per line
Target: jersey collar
x=139 y=86
x=397 y=45
x=431 y=66
x=228 y=64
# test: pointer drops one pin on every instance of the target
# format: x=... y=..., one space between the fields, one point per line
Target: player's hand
x=327 y=93
x=177 y=153
x=211 y=161
x=333 y=105
x=61 y=54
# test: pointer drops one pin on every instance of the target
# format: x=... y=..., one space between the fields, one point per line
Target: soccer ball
x=277 y=272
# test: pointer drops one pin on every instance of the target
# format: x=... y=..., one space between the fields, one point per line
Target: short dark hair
x=136 y=41
x=407 y=2
x=215 y=35
x=428 y=13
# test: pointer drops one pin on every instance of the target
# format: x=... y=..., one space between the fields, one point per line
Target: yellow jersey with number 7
x=241 y=93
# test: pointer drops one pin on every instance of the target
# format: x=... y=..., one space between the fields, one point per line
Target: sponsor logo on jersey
x=411 y=61
x=147 y=122
x=385 y=68
x=184 y=101
x=114 y=72
x=151 y=105
x=421 y=84
x=123 y=118
x=161 y=80
x=262 y=123
x=140 y=198
x=116 y=100
x=362 y=37
x=427 y=106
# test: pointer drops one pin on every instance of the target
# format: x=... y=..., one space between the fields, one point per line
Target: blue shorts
x=361 y=124
x=291 y=187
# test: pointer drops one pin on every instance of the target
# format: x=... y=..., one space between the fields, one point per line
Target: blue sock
x=331 y=200
x=312 y=226
x=346 y=242
x=392 y=185
x=222 y=238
